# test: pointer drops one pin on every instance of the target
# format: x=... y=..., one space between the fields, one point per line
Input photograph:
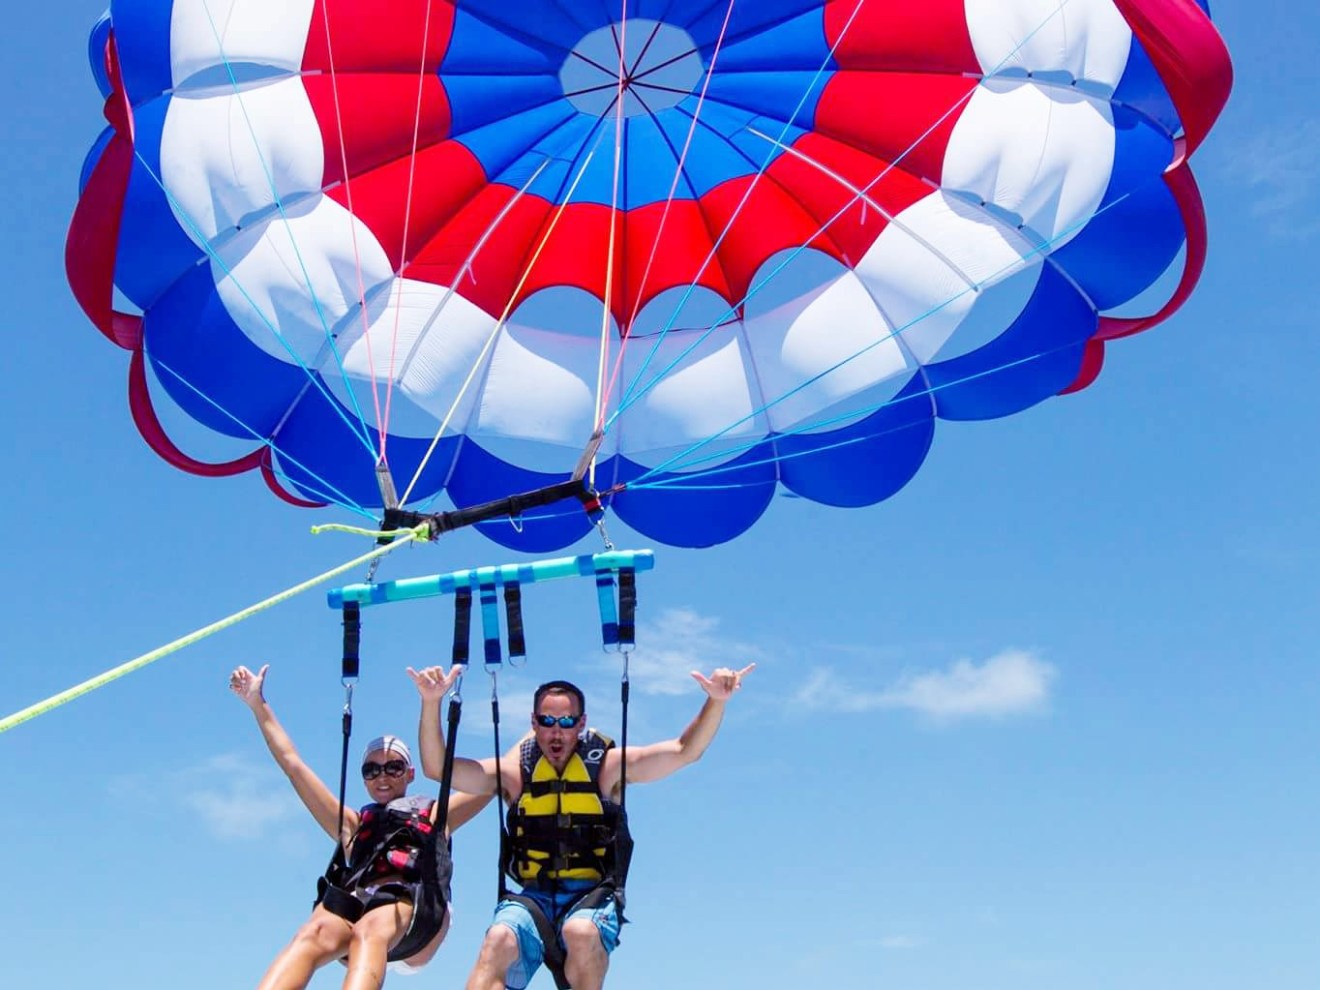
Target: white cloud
x=901 y=942
x=236 y=799
x=1013 y=682
x=677 y=642
x=1276 y=170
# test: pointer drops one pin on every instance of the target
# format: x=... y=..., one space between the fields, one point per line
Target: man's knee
x=581 y=936
x=500 y=946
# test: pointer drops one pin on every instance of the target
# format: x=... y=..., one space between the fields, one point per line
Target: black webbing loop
x=343 y=769
x=624 y=686
x=627 y=606
x=348 y=674
x=352 y=640
x=447 y=774
x=499 y=784
x=462 y=624
x=513 y=619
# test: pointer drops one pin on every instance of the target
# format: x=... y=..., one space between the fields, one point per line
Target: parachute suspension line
x=359 y=429
x=86 y=687
x=634 y=392
x=626 y=329
x=326 y=491
x=288 y=227
x=861 y=194
x=465 y=270
x=352 y=227
x=683 y=483
x=495 y=331
x=407 y=221
x=621 y=41
x=683 y=456
x=628 y=397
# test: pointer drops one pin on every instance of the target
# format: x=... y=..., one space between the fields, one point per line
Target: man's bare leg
x=586 y=959
x=499 y=951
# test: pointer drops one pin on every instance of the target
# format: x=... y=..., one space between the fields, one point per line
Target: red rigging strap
x=149 y=425
x=273 y=483
x=1190 y=57
x=1188 y=197
x=153 y=432
x=91 y=247
x=90 y=253
x=1193 y=63
x=1192 y=208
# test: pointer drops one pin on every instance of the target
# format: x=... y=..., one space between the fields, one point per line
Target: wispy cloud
x=1014 y=682
x=1276 y=171
x=231 y=796
x=896 y=942
x=677 y=642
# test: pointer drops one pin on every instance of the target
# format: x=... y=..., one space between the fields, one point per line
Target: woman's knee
x=323 y=935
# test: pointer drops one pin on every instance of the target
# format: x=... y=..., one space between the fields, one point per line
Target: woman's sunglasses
x=563 y=721
x=391 y=768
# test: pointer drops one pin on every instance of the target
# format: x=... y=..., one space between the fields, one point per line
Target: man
x=389 y=901
x=562 y=787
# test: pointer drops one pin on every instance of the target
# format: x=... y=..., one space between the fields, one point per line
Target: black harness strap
x=513 y=619
x=462 y=625
x=552 y=953
x=336 y=899
x=348 y=674
x=627 y=607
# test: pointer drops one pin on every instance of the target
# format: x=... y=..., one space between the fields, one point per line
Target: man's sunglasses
x=563 y=721
x=390 y=768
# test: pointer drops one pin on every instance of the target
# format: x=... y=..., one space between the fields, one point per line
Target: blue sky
x=1046 y=719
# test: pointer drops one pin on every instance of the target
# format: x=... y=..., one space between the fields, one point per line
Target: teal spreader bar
x=446 y=584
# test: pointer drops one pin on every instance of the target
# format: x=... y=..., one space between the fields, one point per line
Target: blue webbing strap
x=609 y=616
x=490 y=623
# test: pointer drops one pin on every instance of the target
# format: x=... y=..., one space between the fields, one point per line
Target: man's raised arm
x=470 y=776
x=658 y=760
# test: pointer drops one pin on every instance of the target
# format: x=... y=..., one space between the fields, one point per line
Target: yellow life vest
x=561 y=828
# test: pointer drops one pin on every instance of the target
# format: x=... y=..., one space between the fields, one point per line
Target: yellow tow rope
x=86 y=687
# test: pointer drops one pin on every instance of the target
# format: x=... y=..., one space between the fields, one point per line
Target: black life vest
x=391 y=840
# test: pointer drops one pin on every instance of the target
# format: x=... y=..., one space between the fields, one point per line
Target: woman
x=386 y=901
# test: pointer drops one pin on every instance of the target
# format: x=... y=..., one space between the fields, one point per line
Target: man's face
x=387 y=783
x=557 y=741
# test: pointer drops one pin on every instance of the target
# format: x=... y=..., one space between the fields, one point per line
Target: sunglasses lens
x=563 y=721
x=392 y=768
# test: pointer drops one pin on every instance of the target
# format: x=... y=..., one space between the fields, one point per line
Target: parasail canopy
x=760 y=246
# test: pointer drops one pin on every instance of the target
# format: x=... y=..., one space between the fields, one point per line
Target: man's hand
x=723 y=681
x=248 y=685
x=433 y=683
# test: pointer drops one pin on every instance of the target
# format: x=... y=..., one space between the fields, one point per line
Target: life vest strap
x=557 y=785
